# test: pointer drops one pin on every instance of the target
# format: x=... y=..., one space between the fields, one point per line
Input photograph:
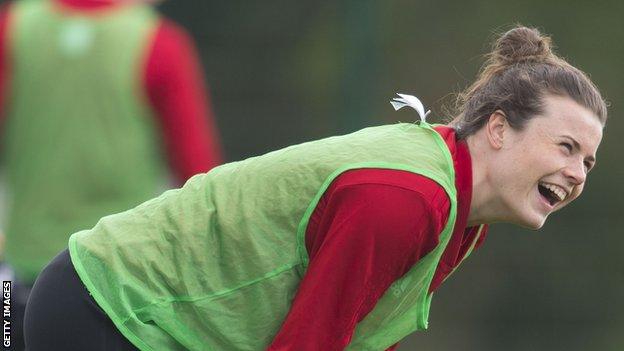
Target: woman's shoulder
x=373 y=181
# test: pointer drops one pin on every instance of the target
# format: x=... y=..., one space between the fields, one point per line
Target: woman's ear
x=495 y=129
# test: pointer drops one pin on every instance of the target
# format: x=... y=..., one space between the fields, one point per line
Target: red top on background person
x=171 y=76
x=99 y=110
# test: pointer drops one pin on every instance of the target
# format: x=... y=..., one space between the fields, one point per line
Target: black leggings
x=61 y=315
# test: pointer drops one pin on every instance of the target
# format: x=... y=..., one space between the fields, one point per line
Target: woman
x=333 y=244
x=79 y=141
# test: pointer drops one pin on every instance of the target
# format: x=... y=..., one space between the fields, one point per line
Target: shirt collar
x=462 y=238
x=463 y=172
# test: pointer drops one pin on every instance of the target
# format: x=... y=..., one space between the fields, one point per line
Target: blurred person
x=333 y=244
x=103 y=105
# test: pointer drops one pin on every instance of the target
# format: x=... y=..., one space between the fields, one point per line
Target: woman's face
x=544 y=167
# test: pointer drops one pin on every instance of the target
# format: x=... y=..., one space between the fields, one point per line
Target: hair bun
x=522 y=44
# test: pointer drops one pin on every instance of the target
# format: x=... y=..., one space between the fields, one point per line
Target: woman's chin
x=534 y=226
x=533 y=221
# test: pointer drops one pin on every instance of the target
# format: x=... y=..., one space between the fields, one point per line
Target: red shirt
x=369 y=228
x=172 y=78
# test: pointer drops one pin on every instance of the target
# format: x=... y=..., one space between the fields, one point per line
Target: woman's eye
x=567 y=146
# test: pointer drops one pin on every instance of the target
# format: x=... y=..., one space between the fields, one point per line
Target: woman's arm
x=176 y=90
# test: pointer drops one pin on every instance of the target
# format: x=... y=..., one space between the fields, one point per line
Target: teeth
x=557 y=190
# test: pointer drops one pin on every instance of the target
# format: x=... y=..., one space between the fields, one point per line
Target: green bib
x=215 y=265
x=79 y=140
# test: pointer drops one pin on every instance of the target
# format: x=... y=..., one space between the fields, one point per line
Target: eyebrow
x=578 y=147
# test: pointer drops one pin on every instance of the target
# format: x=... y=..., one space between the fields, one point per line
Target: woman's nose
x=576 y=173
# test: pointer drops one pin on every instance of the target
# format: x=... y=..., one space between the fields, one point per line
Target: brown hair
x=519 y=71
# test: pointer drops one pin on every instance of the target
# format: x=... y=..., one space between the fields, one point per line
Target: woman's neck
x=482 y=205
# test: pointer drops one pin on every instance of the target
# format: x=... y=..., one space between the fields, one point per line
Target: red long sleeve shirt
x=172 y=79
x=369 y=228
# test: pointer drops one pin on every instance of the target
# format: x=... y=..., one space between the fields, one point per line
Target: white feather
x=411 y=101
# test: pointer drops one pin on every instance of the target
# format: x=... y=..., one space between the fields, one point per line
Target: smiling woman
x=333 y=244
x=533 y=124
x=524 y=175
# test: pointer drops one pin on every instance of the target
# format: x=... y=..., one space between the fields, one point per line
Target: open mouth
x=553 y=194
